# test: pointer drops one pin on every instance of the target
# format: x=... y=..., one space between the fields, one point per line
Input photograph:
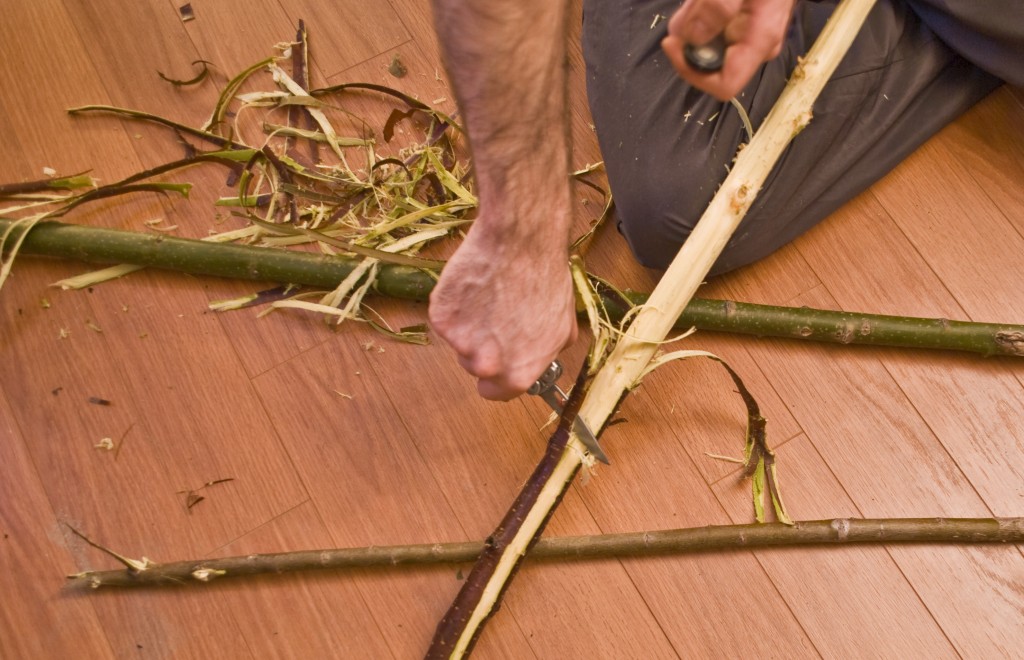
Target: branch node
x=207 y=574
x=841 y=526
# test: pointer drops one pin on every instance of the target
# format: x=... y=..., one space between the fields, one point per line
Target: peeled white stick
x=653 y=322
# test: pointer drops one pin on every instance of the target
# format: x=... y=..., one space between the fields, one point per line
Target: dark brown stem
x=456 y=630
x=46 y=185
x=300 y=74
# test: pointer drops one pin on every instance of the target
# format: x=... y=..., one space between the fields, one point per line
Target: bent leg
x=667 y=146
x=988 y=33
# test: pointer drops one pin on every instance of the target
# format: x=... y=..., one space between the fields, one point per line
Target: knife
x=546 y=388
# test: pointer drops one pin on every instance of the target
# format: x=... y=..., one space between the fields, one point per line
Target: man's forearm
x=504 y=301
x=507 y=62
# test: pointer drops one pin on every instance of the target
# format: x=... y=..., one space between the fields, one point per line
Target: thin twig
x=713 y=538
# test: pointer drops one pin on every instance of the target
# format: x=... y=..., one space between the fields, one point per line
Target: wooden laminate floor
x=411 y=454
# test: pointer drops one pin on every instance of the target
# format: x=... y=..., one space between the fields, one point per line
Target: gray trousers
x=667 y=146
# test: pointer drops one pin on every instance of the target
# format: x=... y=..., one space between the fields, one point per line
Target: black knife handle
x=707 y=58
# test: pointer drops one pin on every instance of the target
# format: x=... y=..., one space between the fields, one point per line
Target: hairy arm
x=504 y=301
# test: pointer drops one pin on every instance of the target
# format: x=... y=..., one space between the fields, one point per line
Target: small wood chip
x=396 y=68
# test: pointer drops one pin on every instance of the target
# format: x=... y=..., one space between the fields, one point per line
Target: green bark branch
x=110 y=246
x=713 y=538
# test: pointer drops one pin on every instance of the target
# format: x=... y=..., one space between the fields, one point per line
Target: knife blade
x=546 y=388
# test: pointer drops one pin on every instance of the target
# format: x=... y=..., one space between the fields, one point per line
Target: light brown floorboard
x=891 y=464
x=129 y=47
x=839 y=596
x=1018 y=95
x=370 y=485
x=37 y=620
x=235 y=35
x=309 y=615
x=415 y=456
x=961 y=235
x=871 y=271
x=993 y=155
x=45 y=73
x=965 y=401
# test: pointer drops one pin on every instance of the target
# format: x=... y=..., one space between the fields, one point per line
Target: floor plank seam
x=358 y=588
x=767 y=574
x=789 y=607
x=775 y=391
x=411 y=438
x=888 y=552
x=882 y=362
x=924 y=603
x=265 y=523
x=938 y=437
x=1018 y=95
x=62 y=547
x=650 y=609
x=920 y=256
x=853 y=501
x=276 y=365
x=342 y=72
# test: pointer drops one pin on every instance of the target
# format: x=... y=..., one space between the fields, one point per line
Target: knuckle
x=484 y=364
x=522 y=381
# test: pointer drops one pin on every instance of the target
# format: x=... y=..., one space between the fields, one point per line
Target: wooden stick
x=599 y=546
x=788 y=117
x=248 y=262
x=634 y=351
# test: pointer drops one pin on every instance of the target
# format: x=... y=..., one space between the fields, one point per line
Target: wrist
x=525 y=204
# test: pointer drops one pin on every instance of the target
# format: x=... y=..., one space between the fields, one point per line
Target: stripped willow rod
x=634 y=350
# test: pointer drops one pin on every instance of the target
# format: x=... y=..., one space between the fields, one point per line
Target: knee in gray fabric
x=648 y=244
x=657 y=212
x=656 y=223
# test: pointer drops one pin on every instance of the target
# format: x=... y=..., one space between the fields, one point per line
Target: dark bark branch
x=481 y=593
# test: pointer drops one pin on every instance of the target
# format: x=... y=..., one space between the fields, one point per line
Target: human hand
x=754 y=31
x=507 y=308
